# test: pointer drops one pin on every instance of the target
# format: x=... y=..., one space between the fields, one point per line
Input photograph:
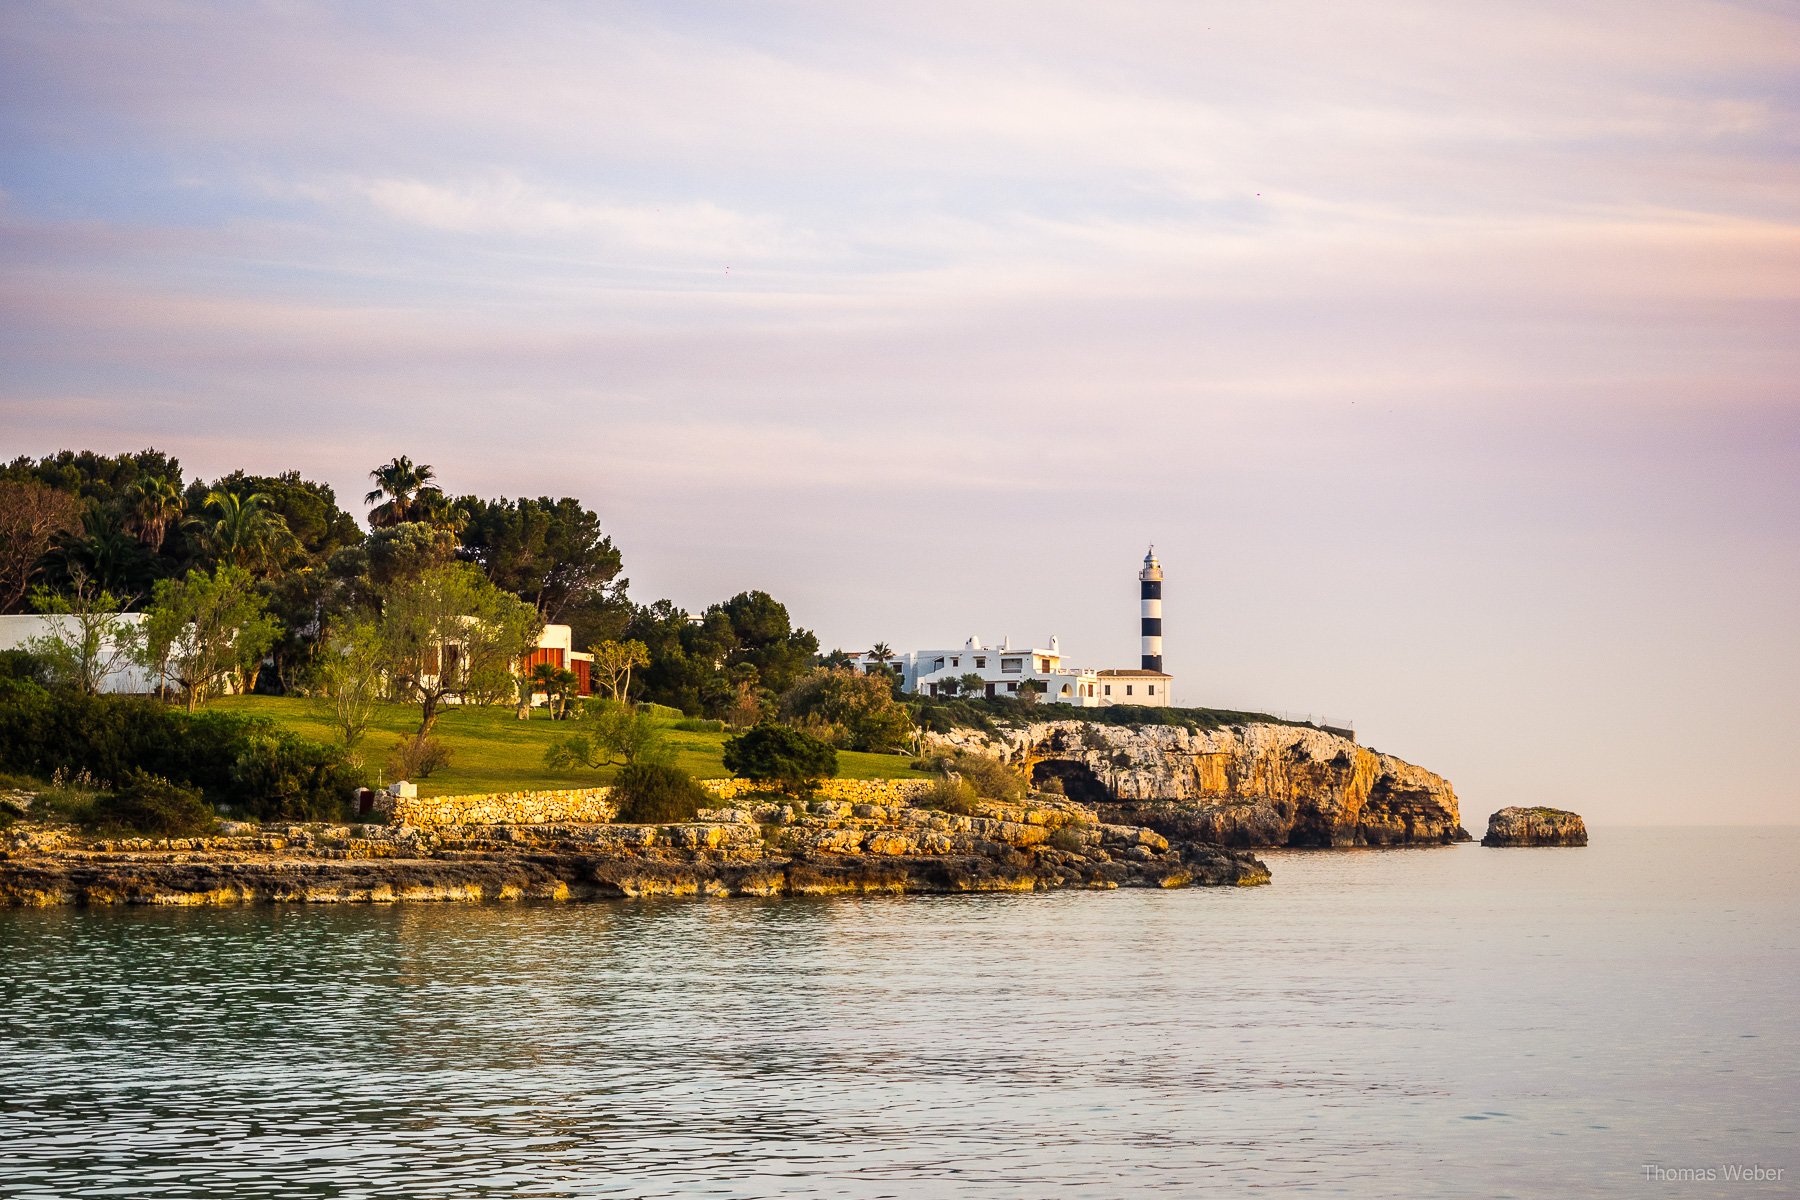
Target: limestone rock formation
x=823 y=848
x=1249 y=785
x=1535 y=827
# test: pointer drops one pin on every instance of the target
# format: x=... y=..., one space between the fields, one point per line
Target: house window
x=1153 y=689
x=1109 y=689
x=956 y=662
x=1012 y=665
x=1012 y=687
x=990 y=691
x=934 y=689
x=1066 y=689
x=980 y=663
x=1128 y=689
x=937 y=664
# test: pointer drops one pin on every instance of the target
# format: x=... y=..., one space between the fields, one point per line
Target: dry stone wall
x=593 y=805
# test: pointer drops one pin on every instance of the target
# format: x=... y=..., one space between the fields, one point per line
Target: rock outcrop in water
x=825 y=849
x=1247 y=786
x=1535 y=827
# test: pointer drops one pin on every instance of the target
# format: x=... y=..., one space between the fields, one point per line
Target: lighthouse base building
x=1000 y=672
x=978 y=670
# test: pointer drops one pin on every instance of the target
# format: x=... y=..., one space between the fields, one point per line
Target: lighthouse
x=1150 y=593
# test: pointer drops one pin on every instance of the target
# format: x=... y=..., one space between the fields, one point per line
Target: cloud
x=1448 y=351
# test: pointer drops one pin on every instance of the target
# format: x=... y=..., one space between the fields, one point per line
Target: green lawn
x=497 y=752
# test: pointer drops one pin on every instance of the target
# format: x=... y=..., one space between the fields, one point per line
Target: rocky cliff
x=1251 y=785
x=1535 y=827
x=825 y=848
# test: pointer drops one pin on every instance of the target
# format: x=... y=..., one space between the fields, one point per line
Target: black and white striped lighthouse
x=1150 y=589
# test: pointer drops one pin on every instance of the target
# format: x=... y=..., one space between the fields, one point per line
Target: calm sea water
x=1432 y=1022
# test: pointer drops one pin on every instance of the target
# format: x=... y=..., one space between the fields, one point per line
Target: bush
x=780 y=755
x=657 y=794
x=695 y=724
x=417 y=757
x=991 y=778
x=951 y=796
x=151 y=804
x=24 y=666
x=1068 y=840
x=282 y=777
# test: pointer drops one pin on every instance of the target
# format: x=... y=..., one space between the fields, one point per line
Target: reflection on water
x=1453 y=1021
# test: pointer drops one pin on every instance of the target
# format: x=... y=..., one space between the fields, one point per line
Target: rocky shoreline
x=822 y=850
x=1248 y=786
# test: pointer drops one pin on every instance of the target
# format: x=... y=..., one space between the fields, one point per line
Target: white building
x=1001 y=671
x=19 y=630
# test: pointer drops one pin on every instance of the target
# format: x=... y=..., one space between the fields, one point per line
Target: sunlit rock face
x=1535 y=827
x=1248 y=785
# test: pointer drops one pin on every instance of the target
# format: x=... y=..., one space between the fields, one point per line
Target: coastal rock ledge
x=824 y=849
x=1249 y=786
x=1535 y=827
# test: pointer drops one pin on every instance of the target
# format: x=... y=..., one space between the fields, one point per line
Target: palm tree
x=438 y=511
x=403 y=486
x=557 y=682
x=155 y=504
x=247 y=534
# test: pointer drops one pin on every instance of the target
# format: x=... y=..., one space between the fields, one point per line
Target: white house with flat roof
x=1004 y=668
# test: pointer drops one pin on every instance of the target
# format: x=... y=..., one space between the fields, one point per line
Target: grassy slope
x=497 y=752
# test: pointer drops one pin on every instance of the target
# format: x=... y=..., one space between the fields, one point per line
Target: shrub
x=25 y=666
x=951 y=796
x=648 y=793
x=151 y=804
x=417 y=757
x=1068 y=840
x=1052 y=787
x=284 y=777
x=694 y=724
x=991 y=778
x=780 y=755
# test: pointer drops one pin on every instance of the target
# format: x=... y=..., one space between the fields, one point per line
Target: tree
x=781 y=755
x=101 y=552
x=31 y=516
x=972 y=684
x=401 y=485
x=763 y=637
x=557 y=683
x=450 y=635
x=89 y=639
x=1031 y=689
x=396 y=554
x=350 y=668
x=862 y=704
x=551 y=553
x=152 y=505
x=206 y=631
x=617 y=734
x=881 y=652
x=310 y=509
x=247 y=534
x=613 y=662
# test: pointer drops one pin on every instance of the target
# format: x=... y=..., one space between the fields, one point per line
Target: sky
x=1446 y=353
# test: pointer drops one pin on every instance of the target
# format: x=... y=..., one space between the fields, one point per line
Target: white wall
x=16 y=631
